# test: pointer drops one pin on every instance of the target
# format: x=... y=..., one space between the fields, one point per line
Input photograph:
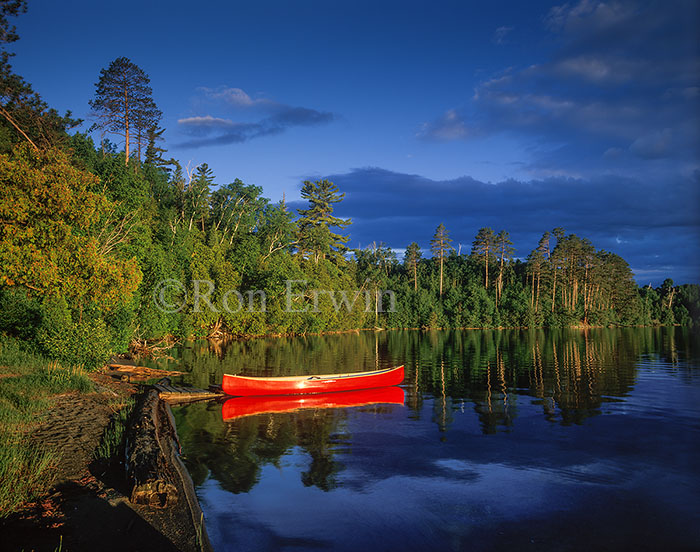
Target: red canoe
x=295 y=385
x=238 y=407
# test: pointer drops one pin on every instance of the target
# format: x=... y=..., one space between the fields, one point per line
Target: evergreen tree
x=536 y=266
x=483 y=248
x=154 y=153
x=8 y=33
x=315 y=236
x=123 y=103
x=505 y=251
x=440 y=246
x=411 y=258
x=24 y=116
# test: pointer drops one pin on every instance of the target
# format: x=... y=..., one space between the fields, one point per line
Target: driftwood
x=154 y=350
x=141 y=372
x=175 y=394
x=148 y=453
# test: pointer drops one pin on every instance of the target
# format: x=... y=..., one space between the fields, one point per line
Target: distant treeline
x=89 y=233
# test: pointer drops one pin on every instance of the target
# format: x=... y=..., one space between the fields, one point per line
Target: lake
x=537 y=440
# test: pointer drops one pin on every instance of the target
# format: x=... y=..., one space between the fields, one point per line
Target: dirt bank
x=88 y=507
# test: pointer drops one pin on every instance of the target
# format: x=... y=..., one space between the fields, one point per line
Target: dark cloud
x=625 y=76
x=654 y=225
x=300 y=116
x=209 y=130
x=212 y=131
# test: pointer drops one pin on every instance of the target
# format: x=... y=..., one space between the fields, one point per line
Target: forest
x=93 y=222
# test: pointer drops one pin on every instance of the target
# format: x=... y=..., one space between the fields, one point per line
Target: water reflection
x=255 y=434
x=565 y=421
x=570 y=374
x=239 y=407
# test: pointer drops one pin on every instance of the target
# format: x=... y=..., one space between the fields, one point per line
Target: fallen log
x=174 y=394
x=148 y=444
x=141 y=372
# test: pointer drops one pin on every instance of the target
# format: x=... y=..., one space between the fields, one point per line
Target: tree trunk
x=487 y=269
x=126 y=125
x=147 y=468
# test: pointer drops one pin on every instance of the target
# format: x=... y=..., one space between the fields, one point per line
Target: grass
x=112 y=442
x=25 y=472
x=28 y=381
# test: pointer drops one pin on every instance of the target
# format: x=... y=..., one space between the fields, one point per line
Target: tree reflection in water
x=570 y=374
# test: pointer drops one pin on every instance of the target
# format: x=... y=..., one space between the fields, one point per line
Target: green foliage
x=85 y=341
x=29 y=381
x=123 y=104
x=112 y=444
x=315 y=236
x=20 y=314
x=86 y=243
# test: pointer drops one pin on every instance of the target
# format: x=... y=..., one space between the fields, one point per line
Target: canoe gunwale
x=310 y=384
x=316 y=377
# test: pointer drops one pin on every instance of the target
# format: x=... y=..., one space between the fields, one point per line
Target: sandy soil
x=87 y=508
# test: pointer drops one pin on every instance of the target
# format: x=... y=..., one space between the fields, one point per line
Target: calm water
x=536 y=440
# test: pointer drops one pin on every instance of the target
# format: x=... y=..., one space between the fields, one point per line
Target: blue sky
x=521 y=116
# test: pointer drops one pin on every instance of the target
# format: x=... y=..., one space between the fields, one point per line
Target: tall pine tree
x=483 y=247
x=440 y=246
x=315 y=236
x=411 y=258
x=123 y=104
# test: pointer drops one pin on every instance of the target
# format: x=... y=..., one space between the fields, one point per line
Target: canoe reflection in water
x=238 y=407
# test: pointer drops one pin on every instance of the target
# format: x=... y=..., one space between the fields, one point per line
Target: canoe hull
x=243 y=386
x=239 y=407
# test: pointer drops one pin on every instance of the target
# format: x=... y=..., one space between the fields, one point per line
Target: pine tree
x=123 y=104
x=505 y=251
x=154 y=153
x=440 y=246
x=24 y=116
x=536 y=263
x=315 y=236
x=411 y=258
x=483 y=247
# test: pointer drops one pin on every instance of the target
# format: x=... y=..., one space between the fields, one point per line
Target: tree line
x=88 y=232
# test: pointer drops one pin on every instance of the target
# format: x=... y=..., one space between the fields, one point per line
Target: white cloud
x=207 y=121
x=499 y=36
x=236 y=97
x=451 y=126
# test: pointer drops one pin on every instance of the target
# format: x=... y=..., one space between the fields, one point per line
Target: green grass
x=26 y=471
x=28 y=381
x=112 y=442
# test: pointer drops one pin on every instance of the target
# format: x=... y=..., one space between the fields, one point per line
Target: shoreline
x=88 y=506
x=225 y=336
